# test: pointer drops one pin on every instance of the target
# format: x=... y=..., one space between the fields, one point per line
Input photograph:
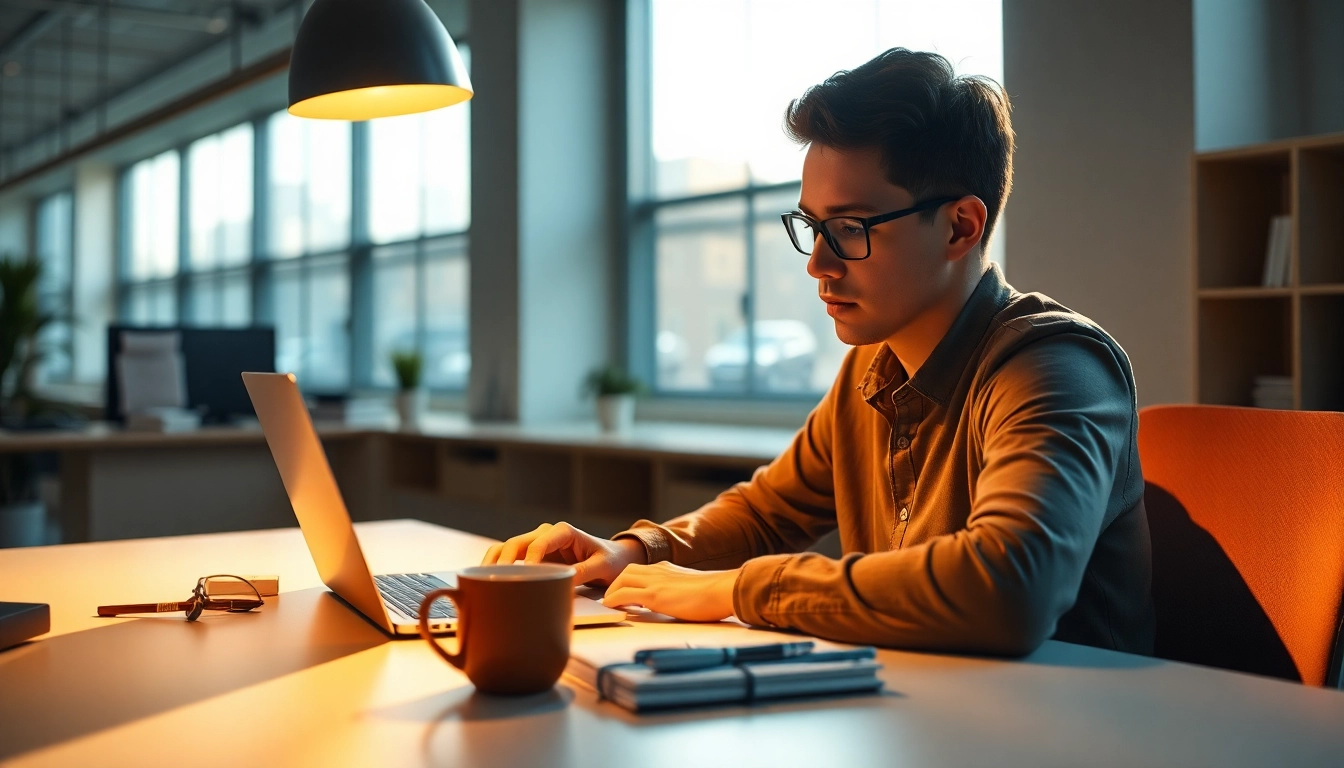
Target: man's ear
x=968 y=216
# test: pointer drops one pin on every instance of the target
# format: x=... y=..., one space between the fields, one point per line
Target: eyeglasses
x=846 y=235
x=203 y=598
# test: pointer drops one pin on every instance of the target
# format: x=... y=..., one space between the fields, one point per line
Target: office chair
x=1246 y=511
x=150 y=371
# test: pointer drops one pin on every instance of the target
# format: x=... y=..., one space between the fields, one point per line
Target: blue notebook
x=602 y=660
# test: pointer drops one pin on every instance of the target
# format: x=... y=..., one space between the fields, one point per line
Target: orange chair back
x=1246 y=510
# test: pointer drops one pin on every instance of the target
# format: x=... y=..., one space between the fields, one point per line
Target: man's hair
x=939 y=134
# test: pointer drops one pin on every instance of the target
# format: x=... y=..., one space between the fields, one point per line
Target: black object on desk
x=23 y=621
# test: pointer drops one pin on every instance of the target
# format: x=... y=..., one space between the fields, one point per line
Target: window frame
x=261 y=266
x=642 y=208
x=67 y=295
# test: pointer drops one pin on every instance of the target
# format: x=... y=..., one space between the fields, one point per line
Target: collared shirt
x=990 y=502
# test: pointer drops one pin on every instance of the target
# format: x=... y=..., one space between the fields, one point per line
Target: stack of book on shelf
x=1273 y=392
x=1277 y=248
x=684 y=665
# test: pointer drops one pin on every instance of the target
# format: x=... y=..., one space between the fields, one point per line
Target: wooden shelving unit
x=1242 y=329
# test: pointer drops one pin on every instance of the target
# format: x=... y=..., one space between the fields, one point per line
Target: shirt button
x=902 y=442
x=905 y=514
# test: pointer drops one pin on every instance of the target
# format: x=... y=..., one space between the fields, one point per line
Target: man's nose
x=823 y=264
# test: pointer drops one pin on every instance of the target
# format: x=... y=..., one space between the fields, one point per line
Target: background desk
x=495 y=480
x=307 y=682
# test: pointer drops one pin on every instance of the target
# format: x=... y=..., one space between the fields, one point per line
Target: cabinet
x=1244 y=330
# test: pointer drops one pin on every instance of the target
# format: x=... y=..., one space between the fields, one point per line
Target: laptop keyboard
x=405 y=591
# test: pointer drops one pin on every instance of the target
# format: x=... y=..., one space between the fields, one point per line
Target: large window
x=309 y=188
x=711 y=171
x=55 y=250
x=354 y=246
x=219 y=246
x=152 y=194
x=419 y=207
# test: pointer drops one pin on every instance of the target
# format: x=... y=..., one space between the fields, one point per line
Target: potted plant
x=615 y=391
x=412 y=399
x=21 y=321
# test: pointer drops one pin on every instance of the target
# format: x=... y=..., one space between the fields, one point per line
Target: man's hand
x=681 y=593
x=595 y=561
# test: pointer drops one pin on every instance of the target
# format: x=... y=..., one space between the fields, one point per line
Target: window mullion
x=183 y=234
x=360 y=262
x=260 y=297
x=749 y=292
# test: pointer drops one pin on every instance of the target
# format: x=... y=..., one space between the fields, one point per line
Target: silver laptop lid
x=313 y=493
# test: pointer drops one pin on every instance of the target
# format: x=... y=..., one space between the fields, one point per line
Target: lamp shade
x=361 y=59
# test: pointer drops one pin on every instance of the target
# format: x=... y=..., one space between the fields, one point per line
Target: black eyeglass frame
x=868 y=223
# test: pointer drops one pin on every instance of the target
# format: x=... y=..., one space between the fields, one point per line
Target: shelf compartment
x=1240 y=339
x=470 y=472
x=1235 y=200
x=1323 y=353
x=686 y=487
x=615 y=487
x=1321 y=220
x=410 y=465
x=538 y=482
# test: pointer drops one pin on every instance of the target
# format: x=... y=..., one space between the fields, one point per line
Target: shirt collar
x=938 y=376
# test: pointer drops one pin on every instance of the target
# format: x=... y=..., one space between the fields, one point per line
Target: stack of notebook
x=692 y=667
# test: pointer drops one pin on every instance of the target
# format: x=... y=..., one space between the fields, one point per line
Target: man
x=978 y=449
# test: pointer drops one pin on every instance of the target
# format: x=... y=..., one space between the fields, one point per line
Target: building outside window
x=55 y=251
x=152 y=193
x=219 y=243
x=308 y=239
x=714 y=274
x=419 y=213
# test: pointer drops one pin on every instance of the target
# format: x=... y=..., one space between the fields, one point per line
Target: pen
x=685 y=659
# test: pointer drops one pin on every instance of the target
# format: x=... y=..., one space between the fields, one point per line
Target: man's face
x=907 y=269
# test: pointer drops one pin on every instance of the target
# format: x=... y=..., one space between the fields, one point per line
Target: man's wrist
x=633 y=551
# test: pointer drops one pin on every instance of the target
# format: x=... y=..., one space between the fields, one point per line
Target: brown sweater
x=989 y=503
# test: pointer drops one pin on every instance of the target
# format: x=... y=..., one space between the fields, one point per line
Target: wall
x=544 y=210
x=1100 y=213
x=1267 y=69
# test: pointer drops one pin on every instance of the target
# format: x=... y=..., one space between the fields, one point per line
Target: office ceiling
x=53 y=63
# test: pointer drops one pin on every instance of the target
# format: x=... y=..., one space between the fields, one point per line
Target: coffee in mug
x=513 y=625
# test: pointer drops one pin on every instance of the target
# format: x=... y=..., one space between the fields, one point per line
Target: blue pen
x=686 y=659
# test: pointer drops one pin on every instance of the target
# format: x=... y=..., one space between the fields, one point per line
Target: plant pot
x=616 y=413
x=411 y=406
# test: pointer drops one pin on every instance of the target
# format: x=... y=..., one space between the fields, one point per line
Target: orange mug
x=513 y=625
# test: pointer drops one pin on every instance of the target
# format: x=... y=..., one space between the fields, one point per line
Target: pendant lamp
x=361 y=59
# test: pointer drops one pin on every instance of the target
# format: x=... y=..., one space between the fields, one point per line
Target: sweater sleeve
x=1054 y=422
x=785 y=507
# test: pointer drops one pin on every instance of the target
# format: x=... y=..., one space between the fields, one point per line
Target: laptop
x=392 y=602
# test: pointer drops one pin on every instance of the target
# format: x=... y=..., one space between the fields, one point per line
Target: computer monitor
x=213 y=359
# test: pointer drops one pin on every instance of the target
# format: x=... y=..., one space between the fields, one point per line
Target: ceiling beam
x=252 y=73
x=216 y=23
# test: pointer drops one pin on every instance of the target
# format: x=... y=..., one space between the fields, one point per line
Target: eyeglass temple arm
x=117 y=610
x=233 y=605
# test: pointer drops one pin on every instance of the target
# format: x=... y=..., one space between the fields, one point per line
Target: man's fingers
x=492 y=554
x=631 y=578
x=556 y=537
x=595 y=568
x=616 y=598
x=515 y=547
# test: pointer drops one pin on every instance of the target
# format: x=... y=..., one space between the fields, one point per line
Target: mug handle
x=456 y=659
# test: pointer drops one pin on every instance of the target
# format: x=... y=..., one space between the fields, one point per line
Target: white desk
x=306 y=682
